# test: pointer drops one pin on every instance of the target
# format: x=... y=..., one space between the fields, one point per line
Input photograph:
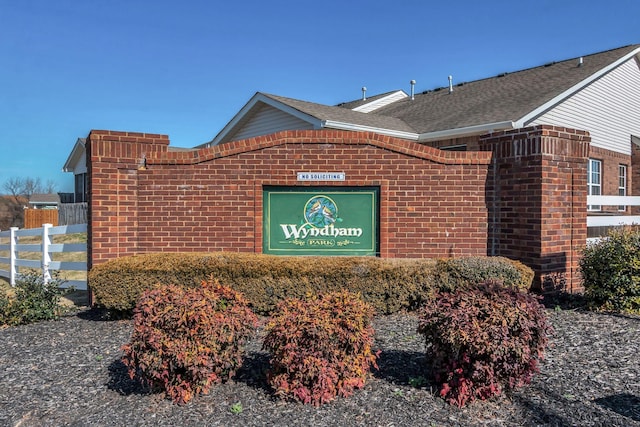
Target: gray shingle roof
x=44 y=199
x=506 y=97
x=343 y=115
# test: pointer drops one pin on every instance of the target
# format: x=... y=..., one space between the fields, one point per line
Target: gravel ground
x=68 y=373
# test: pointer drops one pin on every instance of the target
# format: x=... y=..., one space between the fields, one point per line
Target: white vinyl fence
x=595 y=220
x=46 y=248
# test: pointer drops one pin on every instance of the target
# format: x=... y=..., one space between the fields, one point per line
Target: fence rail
x=598 y=220
x=45 y=248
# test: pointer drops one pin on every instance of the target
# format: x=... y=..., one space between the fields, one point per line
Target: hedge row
x=390 y=285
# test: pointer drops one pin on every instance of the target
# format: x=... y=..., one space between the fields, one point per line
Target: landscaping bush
x=454 y=273
x=389 y=285
x=31 y=300
x=184 y=340
x=482 y=340
x=320 y=348
x=265 y=280
x=610 y=272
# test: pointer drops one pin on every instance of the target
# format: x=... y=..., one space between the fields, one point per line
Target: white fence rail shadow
x=595 y=220
x=45 y=248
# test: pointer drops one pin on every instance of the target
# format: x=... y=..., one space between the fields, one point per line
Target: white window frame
x=594 y=182
x=622 y=184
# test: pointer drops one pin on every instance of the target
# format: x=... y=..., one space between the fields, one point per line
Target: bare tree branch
x=21 y=190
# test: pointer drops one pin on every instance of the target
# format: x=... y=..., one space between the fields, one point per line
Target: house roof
x=509 y=100
x=328 y=113
x=508 y=97
x=44 y=199
x=77 y=152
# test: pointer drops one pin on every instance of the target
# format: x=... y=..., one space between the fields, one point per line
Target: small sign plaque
x=321 y=176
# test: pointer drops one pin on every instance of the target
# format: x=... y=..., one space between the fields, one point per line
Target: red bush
x=483 y=340
x=185 y=340
x=320 y=348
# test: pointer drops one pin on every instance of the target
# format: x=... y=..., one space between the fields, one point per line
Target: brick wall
x=113 y=161
x=432 y=203
x=539 y=194
x=145 y=197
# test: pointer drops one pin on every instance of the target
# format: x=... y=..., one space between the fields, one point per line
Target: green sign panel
x=320 y=221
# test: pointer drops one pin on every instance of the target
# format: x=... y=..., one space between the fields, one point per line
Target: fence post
x=13 y=255
x=46 y=256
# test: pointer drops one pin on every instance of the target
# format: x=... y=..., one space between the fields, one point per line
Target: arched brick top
x=320 y=137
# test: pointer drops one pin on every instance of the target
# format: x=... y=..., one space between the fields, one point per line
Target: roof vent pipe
x=364 y=93
x=580 y=61
x=413 y=86
x=450 y=84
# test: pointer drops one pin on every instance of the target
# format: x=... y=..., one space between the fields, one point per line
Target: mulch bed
x=68 y=373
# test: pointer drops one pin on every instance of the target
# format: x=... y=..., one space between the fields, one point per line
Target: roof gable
x=316 y=115
x=247 y=113
x=265 y=119
x=608 y=107
x=76 y=155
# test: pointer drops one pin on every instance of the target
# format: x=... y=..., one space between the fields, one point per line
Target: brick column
x=113 y=163
x=537 y=198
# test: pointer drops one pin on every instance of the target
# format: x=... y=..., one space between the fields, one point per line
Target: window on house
x=594 y=181
x=622 y=183
x=81 y=188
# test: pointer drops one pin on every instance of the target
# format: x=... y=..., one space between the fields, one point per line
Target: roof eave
x=362 y=128
x=77 y=150
x=529 y=117
x=465 y=131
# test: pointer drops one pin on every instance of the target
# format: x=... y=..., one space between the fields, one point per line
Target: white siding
x=81 y=166
x=609 y=108
x=268 y=120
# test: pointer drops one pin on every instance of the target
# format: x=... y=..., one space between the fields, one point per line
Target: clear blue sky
x=185 y=68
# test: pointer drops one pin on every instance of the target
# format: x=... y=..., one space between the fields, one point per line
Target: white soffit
x=466 y=131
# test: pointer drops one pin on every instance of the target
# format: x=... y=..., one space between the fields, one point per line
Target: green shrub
x=265 y=280
x=610 y=272
x=320 y=348
x=32 y=300
x=5 y=303
x=184 y=340
x=389 y=285
x=482 y=340
x=454 y=273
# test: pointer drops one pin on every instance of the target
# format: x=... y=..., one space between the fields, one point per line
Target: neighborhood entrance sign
x=320 y=221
